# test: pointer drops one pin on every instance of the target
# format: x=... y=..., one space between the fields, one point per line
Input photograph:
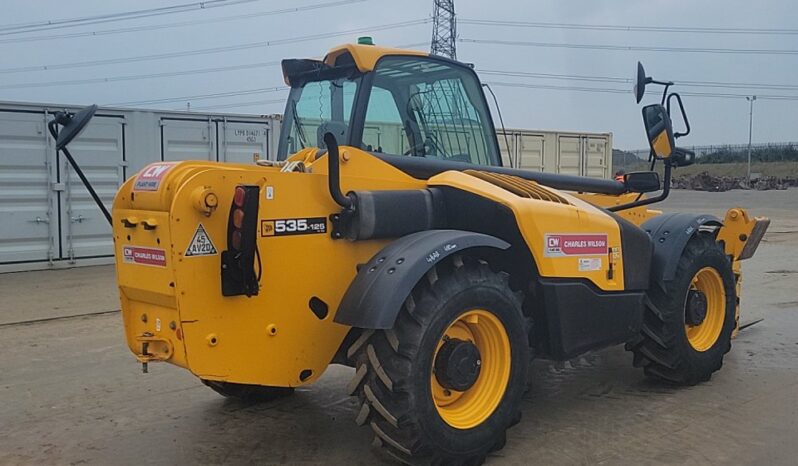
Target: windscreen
x=428 y=108
x=315 y=103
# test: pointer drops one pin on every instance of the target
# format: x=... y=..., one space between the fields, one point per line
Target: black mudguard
x=670 y=234
x=375 y=296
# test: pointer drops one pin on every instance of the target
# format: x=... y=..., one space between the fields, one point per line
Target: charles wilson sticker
x=575 y=244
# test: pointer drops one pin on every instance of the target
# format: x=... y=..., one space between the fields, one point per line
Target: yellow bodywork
x=662 y=145
x=366 y=56
x=271 y=338
x=176 y=308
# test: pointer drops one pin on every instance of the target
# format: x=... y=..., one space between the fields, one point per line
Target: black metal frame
x=51 y=126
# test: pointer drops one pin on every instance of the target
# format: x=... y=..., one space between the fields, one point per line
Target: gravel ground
x=70 y=392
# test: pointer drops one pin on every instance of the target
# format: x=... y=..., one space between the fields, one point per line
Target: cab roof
x=364 y=56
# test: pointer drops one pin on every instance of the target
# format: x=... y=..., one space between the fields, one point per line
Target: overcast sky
x=714 y=120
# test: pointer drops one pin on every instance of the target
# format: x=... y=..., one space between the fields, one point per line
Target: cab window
x=429 y=108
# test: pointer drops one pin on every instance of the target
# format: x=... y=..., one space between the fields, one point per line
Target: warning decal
x=150 y=178
x=589 y=264
x=201 y=244
x=575 y=244
x=144 y=256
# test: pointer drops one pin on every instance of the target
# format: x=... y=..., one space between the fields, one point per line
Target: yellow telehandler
x=388 y=237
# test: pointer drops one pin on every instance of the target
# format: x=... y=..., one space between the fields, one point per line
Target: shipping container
x=572 y=153
x=47 y=217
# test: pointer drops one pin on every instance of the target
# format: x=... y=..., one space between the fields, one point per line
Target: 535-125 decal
x=293 y=226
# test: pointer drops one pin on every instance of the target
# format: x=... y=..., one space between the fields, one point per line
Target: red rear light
x=239 y=275
x=240 y=196
x=238 y=218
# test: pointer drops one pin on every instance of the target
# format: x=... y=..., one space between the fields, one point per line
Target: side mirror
x=640 y=82
x=642 y=182
x=73 y=124
x=682 y=157
x=659 y=130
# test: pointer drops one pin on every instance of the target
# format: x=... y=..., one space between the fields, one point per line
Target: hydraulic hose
x=334 y=172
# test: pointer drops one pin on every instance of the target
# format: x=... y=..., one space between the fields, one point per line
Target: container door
x=373 y=138
x=569 y=155
x=530 y=152
x=507 y=148
x=188 y=140
x=595 y=165
x=28 y=215
x=243 y=142
x=99 y=153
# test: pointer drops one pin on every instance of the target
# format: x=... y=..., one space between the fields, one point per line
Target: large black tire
x=248 y=393
x=663 y=349
x=394 y=368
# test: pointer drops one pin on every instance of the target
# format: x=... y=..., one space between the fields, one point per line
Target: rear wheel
x=249 y=393
x=444 y=384
x=687 y=327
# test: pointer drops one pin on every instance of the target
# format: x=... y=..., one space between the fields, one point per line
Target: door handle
x=40 y=220
x=78 y=219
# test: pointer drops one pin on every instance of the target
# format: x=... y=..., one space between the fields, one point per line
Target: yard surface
x=71 y=393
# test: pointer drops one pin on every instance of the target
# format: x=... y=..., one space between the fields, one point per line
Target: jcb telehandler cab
x=388 y=237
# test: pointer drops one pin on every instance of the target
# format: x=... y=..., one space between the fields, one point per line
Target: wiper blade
x=300 y=130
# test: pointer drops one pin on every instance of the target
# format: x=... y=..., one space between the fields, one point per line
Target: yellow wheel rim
x=469 y=408
x=704 y=335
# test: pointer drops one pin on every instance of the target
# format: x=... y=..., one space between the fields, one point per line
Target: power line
x=243 y=104
x=501 y=84
x=216 y=95
x=136 y=77
x=185 y=53
x=627 y=91
x=629 y=28
x=609 y=79
x=22 y=28
x=627 y=48
x=152 y=27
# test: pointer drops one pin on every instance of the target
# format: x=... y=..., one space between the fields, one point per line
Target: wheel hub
x=696 y=309
x=457 y=364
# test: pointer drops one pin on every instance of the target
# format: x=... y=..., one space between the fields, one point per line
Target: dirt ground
x=70 y=392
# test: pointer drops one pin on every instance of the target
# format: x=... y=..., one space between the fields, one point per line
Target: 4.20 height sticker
x=293 y=226
x=575 y=244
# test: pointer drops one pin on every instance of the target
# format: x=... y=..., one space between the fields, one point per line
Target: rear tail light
x=238 y=261
x=238 y=218
x=240 y=196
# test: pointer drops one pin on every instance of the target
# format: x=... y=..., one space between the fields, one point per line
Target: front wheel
x=687 y=327
x=444 y=384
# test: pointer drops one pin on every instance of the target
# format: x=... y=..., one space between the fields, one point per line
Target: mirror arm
x=52 y=127
x=665 y=93
x=666 y=189
x=684 y=114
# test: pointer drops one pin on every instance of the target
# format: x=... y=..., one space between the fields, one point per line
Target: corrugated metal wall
x=48 y=219
x=583 y=154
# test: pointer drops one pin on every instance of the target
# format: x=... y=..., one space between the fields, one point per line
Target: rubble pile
x=706 y=182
